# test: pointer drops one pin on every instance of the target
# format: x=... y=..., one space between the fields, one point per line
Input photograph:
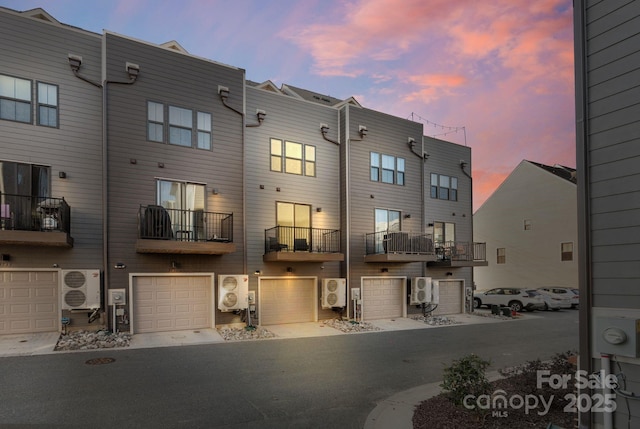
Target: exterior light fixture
x=319 y=209
x=384 y=270
x=120 y=266
x=289 y=269
x=62 y=175
x=215 y=191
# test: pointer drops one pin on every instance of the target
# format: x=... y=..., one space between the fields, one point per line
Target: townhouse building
x=192 y=194
x=607 y=67
x=529 y=227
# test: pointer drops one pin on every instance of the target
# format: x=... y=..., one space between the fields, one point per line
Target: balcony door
x=185 y=203
x=22 y=188
x=294 y=222
x=386 y=221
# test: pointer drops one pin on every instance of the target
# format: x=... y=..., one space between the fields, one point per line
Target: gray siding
x=299 y=121
x=37 y=50
x=613 y=51
x=386 y=135
x=180 y=80
x=608 y=136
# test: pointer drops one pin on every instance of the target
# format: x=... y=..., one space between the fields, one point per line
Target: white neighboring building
x=530 y=226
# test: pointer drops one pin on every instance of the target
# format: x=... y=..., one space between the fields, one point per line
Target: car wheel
x=477 y=303
x=516 y=306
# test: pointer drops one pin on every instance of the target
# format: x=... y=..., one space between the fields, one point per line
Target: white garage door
x=288 y=301
x=383 y=298
x=171 y=303
x=28 y=302
x=450 y=297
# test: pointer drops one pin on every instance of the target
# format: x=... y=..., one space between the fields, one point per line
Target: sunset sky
x=502 y=69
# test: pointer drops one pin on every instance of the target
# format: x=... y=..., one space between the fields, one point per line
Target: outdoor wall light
x=174 y=265
x=120 y=266
x=133 y=161
x=161 y=165
x=449 y=273
x=6 y=257
x=362 y=130
x=289 y=269
x=407 y=216
x=257 y=272
x=215 y=191
x=319 y=209
x=56 y=266
x=384 y=270
x=62 y=175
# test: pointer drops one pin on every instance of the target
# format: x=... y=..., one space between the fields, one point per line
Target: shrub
x=466 y=376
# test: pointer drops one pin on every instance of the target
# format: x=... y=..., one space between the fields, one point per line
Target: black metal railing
x=301 y=239
x=398 y=242
x=159 y=223
x=32 y=213
x=461 y=251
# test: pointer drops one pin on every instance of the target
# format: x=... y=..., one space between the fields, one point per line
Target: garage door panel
x=450 y=297
x=288 y=301
x=383 y=298
x=172 y=303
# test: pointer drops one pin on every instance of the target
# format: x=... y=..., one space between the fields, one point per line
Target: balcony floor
x=184 y=247
x=36 y=238
x=302 y=257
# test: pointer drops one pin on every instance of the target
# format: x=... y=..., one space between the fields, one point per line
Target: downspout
x=411 y=143
x=585 y=281
x=223 y=92
x=75 y=62
x=469 y=298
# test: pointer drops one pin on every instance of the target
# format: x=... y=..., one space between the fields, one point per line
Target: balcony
x=34 y=221
x=400 y=247
x=297 y=244
x=195 y=232
x=460 y=254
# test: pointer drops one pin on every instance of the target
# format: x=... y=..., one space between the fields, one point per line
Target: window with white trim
x=155 y=121
x=185 y=129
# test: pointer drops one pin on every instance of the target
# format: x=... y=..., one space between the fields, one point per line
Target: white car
x=569 y=292
x=516 y=298
x=552 y=301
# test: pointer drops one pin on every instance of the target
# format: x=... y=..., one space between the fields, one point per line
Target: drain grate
x=100 y=361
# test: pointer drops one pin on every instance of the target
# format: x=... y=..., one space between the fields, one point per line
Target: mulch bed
x=440 y=413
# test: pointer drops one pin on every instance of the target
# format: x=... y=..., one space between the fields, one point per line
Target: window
x=185 y=129
x=386 y=169
x=444 y=234
x=47 y=105
x=15 y=99
x=294 y=158
x=155 y=122
x=385 y=221
x=567 y=251
x=527 y=224
x=501 y=255
x=294 y=225
x=185 y=203
x=204 y=130
x=444 y=187
x=180 y=126
x=22 y=188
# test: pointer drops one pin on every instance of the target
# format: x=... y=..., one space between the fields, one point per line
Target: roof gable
x=172 y=44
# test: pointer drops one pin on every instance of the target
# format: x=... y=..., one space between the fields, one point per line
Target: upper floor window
x=386 y=169
x=293 y=158
x=204 y=130
x=180 y=126
x=155 y=121
x=444 y=187
x=15 y=99
x=184 y=129
x=47 y=105
x=501 y=255
x=444 y=233
x=567 y=251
